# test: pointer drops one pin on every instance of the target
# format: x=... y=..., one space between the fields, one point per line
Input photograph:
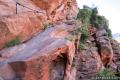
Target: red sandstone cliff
x=49 y=54
x=28 y=22
x=47 y=50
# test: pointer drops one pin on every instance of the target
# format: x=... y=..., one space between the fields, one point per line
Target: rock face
x=6 y=72
x=116 y=57
x=88 y=63
x=22 y=25
x=48 y=56
x=104 y=45
x=58 y=10
x=50 y=48
x=31 y=18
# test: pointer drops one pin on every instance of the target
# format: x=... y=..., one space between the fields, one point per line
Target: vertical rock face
x=48 y=53
x=116 y=57
x=22 y=25
x=88 y=63
x=105 y=48
x=58 y=10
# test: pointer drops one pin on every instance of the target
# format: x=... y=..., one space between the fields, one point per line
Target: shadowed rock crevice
x=58 y=67
x=19 y=68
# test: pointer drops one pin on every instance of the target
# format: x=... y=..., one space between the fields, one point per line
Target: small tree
x=84 y=15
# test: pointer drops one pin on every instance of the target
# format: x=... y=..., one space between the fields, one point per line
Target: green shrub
x=109 y=32
x=81 y=45
x=14 y=42
x=84 y=15
x=84 y=35
x=46 y=25
x=106 y=73
x=89 y=15
x=100 y=22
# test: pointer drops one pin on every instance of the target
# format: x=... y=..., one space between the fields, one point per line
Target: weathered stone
x=23 y=26
x=31 y=18
x=88 y=64
x=116 y=56
x=48 y=56
x=6 y=72
x=58 y=10
x=104 y=46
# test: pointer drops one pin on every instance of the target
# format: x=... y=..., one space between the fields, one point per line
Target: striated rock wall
x=48 y=56
x=26 y=23
x=58 y=10
x=105 y=48
x=46 y=53
x=22 y=25
x=49 y=50
x=116 y=56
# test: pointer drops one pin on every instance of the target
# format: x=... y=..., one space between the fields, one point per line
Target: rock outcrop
x=58 y=10
x=52 y=45
x=47 y=56
x=88 y=62
x=116 y=57
x=22 y=25
x=105 y=48
x=31 y=17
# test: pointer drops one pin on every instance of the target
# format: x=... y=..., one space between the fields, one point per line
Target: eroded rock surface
x=42 y=57
x=104 y=45
x=88 y=63
x=31 y=17
x=116 y=57
x=23 y=26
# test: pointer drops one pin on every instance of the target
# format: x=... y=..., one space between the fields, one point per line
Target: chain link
x=17 y=3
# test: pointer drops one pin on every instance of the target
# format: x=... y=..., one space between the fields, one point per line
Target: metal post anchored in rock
x=16 y=6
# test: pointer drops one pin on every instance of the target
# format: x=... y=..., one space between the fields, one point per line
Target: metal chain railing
x=17 y=3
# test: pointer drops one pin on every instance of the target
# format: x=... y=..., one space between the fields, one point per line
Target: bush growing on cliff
x=81 y=46
x=109 y=32
x=84 y=35
x=100 y=22
x=106 y=73
x=46 y=26
x=89 y=15
x=14 y=42
x=84 y=15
